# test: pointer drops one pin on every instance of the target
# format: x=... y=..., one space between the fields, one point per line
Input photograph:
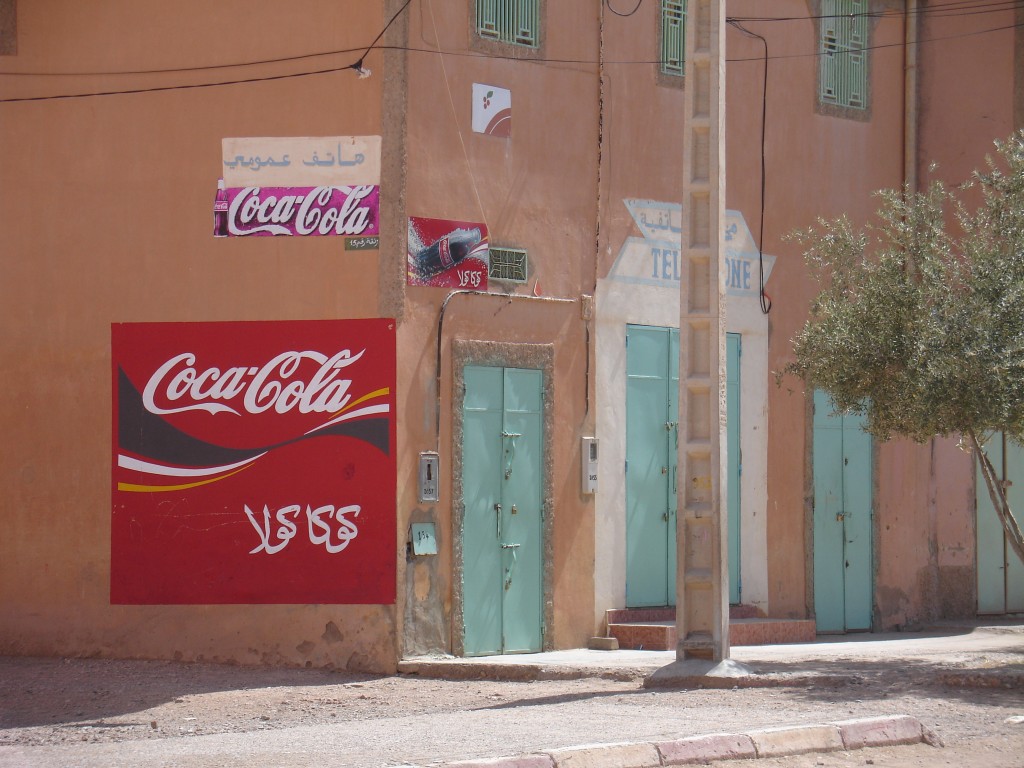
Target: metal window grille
x=508 y=264
x=843 y=55
x=509 y=21
x=673 y=36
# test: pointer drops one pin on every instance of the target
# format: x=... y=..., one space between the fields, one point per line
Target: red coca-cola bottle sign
x=448 y=254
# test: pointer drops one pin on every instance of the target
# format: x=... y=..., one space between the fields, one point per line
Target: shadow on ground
x=53 y=691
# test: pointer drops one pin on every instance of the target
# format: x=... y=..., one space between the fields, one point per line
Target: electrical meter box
x=588 y=478
x=429 y=463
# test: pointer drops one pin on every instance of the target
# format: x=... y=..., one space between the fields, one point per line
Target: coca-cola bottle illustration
x=220 y=211
x=445 y=253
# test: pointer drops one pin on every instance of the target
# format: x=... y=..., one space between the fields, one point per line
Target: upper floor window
x=8 y=27
x=509 y=21
x=673 y=36
x=843 y=54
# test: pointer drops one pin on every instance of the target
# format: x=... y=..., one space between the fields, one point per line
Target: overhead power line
x=944 y=10
x=468 y=54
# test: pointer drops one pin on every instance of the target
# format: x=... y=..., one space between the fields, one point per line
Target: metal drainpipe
x=600 y=199
x=910 y=28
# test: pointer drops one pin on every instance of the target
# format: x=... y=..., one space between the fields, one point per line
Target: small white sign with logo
x=492 y=110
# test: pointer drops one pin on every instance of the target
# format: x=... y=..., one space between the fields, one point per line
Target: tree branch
x=997 y=492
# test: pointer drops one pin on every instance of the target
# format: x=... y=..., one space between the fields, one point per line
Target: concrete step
x=645 y=636
x=654 y=629
x=771 y=631
x=745 y=612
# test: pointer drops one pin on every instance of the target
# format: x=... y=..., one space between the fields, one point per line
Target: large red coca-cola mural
x=253 y=462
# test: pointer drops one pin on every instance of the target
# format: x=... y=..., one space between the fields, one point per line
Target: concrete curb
x=780 y=742
x=515 y=673
x=638 y=755
x=523 y=761
x=526 y=672
x=844 y=735
x=880 y=731
x=700 y=749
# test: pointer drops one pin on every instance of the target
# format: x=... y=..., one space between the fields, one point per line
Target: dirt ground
x=90 y=712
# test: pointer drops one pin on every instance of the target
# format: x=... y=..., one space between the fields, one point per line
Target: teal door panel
x=651 y=415
x=503 y=527
x=481 y=466
x=990 y=539
x=733 y=350
x=1015 y=494
x=672 y=436
x=1000 y=572
x=857 y=592
x=842 y=520
x=829 y=610
x=647 y=493
x=521 y=514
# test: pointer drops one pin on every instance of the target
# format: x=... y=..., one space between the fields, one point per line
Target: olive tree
x=919 y=325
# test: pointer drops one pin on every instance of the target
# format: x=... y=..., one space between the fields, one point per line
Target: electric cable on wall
x=766 y=302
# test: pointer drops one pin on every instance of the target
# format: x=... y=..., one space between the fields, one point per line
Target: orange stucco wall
x=816 y=165
x=105 y=205
x=535 y=190
x=966 y=91
x=967 y=77
x=925 y=494
x=642 y=155
x=823 y=165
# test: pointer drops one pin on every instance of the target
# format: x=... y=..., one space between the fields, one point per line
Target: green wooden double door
x=842 y=522
x=503 y=531
x=652 y=445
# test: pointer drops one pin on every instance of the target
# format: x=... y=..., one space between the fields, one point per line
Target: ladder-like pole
x=702 y=610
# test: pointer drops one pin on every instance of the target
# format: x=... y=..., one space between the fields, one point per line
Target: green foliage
x=920 y=321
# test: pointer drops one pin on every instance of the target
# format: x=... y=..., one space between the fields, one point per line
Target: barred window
x=508 y=264
x=509 y=21
x=673 y=36
x=843 y=55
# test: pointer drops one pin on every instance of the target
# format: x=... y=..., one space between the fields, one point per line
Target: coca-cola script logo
x=271 y=385
x=352 y=211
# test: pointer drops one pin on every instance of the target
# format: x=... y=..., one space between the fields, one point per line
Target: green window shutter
x=843 y=67
x=509 y=21
x=673 y=36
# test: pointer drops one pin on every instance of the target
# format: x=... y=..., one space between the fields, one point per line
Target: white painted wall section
x=642 y=288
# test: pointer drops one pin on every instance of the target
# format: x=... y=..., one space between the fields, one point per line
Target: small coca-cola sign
x=253 y=462
x=448 y=254
x=352 y=211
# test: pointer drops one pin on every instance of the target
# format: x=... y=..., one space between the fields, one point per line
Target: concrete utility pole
x=702 y=610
